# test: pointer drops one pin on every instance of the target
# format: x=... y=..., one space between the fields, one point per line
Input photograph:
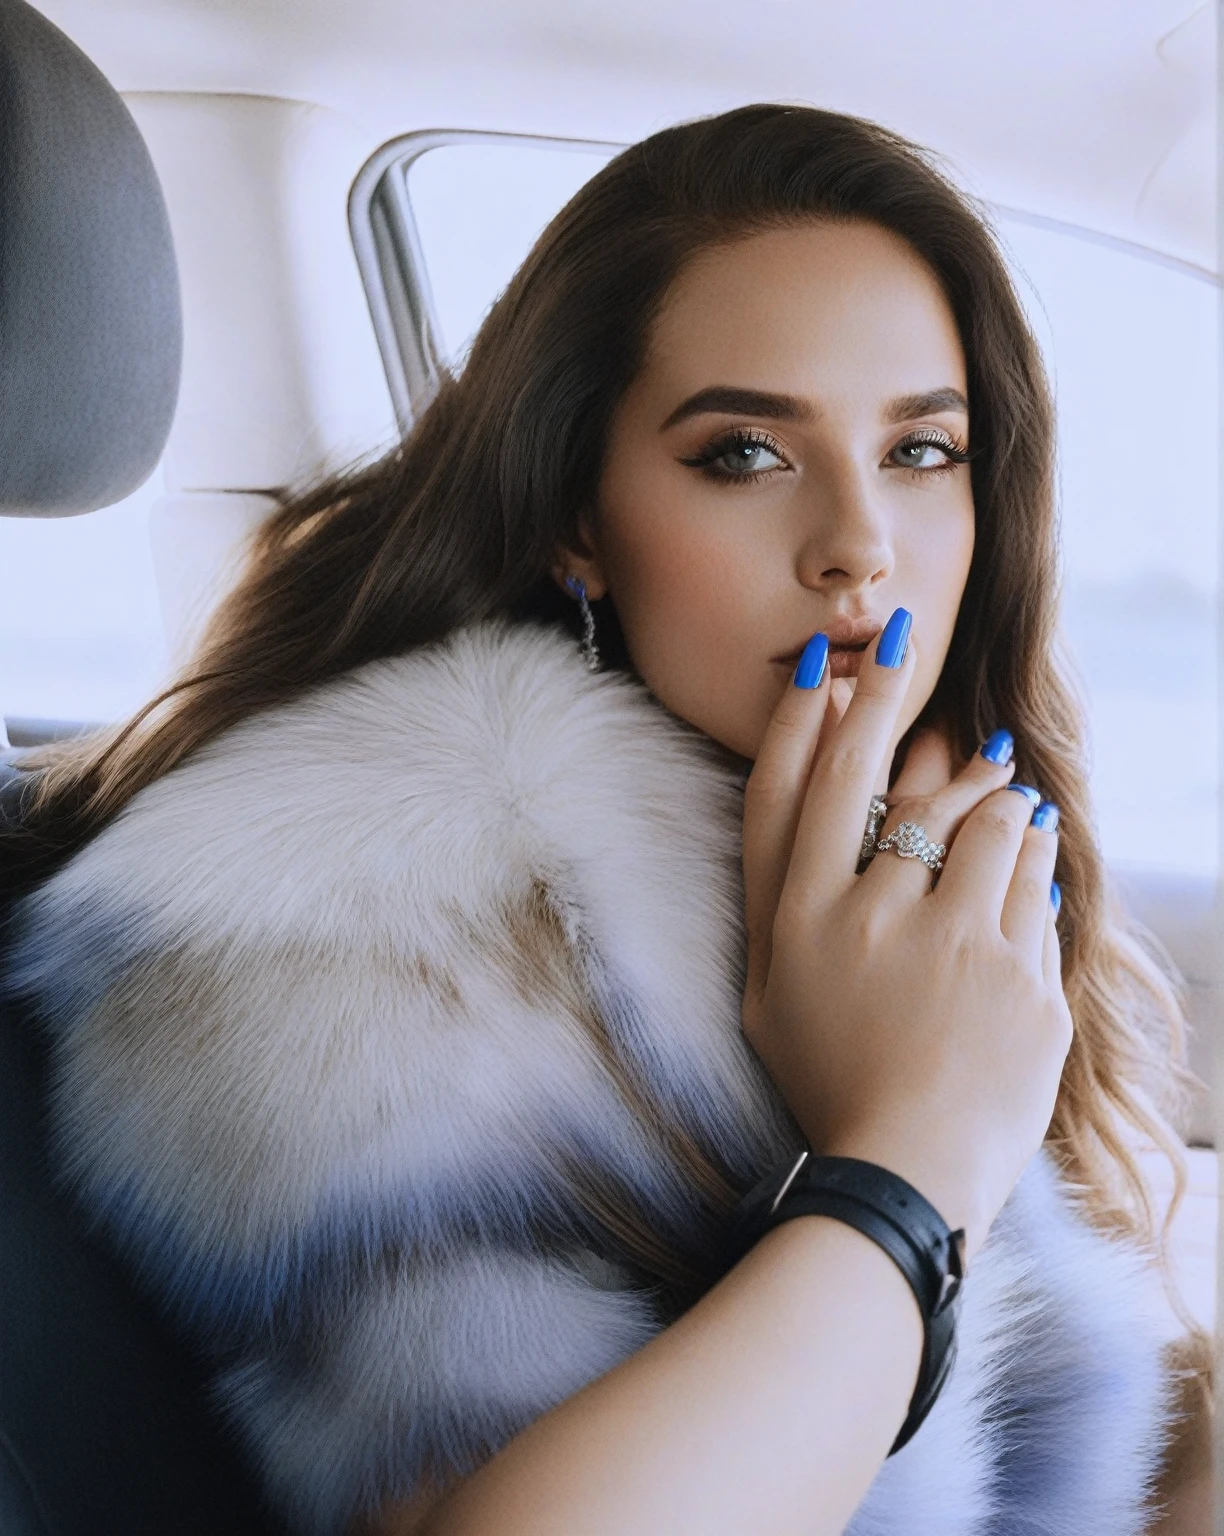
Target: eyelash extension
x=955 y=453
x=736 y=437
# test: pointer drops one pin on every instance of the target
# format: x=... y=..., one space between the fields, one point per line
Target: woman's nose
x=847 y=542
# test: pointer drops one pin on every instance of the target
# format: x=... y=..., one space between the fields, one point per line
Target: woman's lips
x=845 y=660
x=847 y=642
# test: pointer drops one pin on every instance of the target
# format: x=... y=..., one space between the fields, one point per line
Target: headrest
x=90 y=324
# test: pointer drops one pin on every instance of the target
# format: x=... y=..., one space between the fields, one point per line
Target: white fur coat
x=350 y=1008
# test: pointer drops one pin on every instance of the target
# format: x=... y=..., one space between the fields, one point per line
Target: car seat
x=105 y=1424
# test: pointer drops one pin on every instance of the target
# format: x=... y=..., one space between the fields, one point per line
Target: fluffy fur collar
x=351 y=1009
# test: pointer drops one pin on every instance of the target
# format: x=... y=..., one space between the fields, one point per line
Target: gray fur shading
x=347 y=1006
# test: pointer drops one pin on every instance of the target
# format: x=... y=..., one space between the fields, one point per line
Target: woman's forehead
x=819 y=312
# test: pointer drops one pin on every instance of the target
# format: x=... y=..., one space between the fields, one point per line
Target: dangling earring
x=590 y=651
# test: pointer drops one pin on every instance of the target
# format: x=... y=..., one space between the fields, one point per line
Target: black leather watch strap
x=893 y=1214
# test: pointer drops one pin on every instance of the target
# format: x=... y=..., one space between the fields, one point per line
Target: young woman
x=411 y=1038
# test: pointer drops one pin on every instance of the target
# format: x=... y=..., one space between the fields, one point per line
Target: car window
x=478 y=210
x=1131 y=344
x=1129 y=339
x=440 y=222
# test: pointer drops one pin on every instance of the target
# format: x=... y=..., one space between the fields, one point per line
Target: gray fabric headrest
x=90 y=324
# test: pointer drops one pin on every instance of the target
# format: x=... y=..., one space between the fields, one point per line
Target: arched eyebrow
x=740 y=402
x=907 y=407
x=731 y=401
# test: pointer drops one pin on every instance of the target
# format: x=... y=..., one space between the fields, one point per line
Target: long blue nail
x=1029 y=793
x=1055 y=896
x=998 y=748
x=1045 y=817
x=812 y=663
x=894 y=639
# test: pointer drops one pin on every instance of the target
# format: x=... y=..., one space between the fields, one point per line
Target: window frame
x=392 y=263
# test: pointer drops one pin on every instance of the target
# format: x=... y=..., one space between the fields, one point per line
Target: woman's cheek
x=679 y=587
x=939 y=563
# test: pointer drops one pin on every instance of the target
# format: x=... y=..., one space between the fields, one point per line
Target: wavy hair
x=461 y=522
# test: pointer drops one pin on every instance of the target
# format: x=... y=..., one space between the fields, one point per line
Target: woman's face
x=789 y=459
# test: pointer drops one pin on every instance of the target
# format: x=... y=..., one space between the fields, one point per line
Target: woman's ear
x=579 y=560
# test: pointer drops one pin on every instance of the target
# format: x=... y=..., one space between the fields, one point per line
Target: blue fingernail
x=998 y=748
x=1029 y=793
x=812 y=663
x=1055 y=896
x=894 y=639
x=1045 y=817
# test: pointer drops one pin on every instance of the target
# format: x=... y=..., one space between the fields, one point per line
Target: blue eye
x=741 y=454
x=928 y=452
x=747 y=458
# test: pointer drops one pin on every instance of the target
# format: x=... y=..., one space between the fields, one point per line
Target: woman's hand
x=925 y=1031
x=922 y=1029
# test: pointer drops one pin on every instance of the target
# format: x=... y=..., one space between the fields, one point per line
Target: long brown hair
x=461 y=521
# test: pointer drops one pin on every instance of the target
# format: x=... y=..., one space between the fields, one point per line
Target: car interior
x=242 y=240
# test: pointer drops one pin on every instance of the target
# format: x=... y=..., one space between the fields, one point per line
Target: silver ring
x=876 y=813
x=909 y=841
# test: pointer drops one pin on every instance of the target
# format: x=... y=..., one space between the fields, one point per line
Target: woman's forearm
x=765 y=1410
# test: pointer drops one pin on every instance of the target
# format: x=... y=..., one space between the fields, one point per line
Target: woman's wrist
x=793 y=1372
x=957 y=1196
x=828 y=1244
x=893 y=1214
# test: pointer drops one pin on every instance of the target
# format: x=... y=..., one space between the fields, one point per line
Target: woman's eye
x=928 y=453
x=742 y=456
x=745 y=458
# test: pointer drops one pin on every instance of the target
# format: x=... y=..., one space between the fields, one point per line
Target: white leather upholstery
x=281 y=374
x=198 y=540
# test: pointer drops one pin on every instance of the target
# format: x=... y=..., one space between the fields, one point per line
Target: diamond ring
x=909 y=841
x=876 y=813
